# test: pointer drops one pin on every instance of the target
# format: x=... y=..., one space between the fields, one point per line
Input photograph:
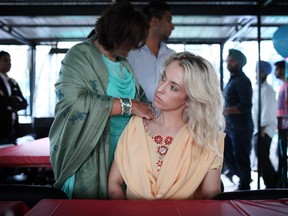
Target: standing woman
x=97 y=93
x=178 y=154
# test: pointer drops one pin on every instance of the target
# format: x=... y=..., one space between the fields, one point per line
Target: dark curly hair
x=120 y=23
x=3 y=53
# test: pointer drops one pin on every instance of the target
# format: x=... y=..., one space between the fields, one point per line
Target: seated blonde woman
x=178 y=154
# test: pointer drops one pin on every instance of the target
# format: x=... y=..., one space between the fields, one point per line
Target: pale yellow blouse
x=184 y=166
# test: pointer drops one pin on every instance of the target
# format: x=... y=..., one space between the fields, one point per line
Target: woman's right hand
x=143 y=109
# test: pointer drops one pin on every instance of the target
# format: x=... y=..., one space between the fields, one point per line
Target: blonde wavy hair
x=205 y=102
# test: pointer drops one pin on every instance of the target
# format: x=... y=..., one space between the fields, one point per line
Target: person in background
x=239 y=124
x=148 y=61
x=282 y=112
x=97 y=94
x=268 y=124
x=283 y=95
x=178 y=154
x=11 y=101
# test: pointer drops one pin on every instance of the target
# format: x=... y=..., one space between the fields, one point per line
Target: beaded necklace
x=162 y=149
x=162 y=146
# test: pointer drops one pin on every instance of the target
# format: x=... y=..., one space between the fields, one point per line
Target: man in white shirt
x=268 y=125
x=148 y=62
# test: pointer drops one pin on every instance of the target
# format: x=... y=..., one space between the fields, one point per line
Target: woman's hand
x=143 y=109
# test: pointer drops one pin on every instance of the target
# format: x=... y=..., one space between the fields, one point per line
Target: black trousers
x=237 y=154
x=267 y=170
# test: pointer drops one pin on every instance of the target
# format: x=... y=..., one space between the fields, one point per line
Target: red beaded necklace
x=162 y=149
x=162 y=143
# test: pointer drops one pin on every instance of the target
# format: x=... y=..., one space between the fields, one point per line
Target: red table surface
x=13 y=208
x=157 y=208
x=35 y=153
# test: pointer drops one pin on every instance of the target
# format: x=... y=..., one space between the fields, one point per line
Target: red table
x=35 y=153
x=16 y=208
x=159 y=208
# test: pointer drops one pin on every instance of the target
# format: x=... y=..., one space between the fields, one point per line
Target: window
x=48 y=66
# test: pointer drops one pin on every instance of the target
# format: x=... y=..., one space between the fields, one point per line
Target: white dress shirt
x=268 y=109
x=147 y=67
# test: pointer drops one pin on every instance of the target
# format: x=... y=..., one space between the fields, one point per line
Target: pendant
x=159 y=164
x=162 y=150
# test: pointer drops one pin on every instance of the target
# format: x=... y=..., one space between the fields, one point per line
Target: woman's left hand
x=142 y=109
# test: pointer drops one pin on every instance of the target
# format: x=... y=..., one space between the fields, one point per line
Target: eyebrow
x=164 y=73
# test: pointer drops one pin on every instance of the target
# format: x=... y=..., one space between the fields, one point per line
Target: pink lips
x=157 y=98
